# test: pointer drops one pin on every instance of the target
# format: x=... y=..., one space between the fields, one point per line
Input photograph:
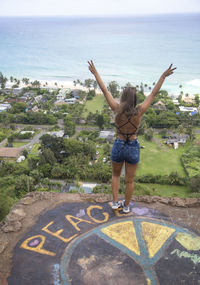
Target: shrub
x=195 y=184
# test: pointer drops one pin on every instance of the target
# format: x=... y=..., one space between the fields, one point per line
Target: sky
x=95 y=7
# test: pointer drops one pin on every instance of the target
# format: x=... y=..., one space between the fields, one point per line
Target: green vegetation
x=167 y=190
x=159 y=159
x=18 y=144
x=163 y=170
x=96 y=104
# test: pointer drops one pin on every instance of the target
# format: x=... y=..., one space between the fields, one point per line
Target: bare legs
x=116 y=172
x=130 y=170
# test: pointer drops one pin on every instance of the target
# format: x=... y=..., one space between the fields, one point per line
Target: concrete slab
x=87 y=242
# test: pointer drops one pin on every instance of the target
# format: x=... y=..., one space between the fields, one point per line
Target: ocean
x=133 y=49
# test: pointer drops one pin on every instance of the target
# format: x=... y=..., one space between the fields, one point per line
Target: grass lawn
x=95 y=104
x=170 y=190
x=18 y=144
x=160 y=159
x=34 y=150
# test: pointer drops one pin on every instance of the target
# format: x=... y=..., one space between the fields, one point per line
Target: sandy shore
x=50 y=84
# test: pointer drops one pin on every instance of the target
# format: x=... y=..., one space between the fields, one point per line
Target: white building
x=187 y=109
x=25 y=132
x=58 y=134
x=38 y=98
x=60 y=97
x=4 y=107
x=175 y=101
x=70 y=100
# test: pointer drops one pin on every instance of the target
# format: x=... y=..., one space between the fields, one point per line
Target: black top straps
x=127 y=135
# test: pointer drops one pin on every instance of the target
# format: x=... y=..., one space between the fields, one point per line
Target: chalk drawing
x=34 y=243
x=56 y=275
x=188 y=241
x=195 y=258
x=140 y=211
x=81 y=213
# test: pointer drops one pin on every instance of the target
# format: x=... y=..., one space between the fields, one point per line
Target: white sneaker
x=126 y=209
x=116 y=205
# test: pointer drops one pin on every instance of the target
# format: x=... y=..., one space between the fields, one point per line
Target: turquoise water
x=136 y=49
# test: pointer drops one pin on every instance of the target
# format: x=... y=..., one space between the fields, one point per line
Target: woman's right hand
x=91 y=67
x=169 y=71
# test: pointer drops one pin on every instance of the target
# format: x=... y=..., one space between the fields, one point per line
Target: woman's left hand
x=92 y=67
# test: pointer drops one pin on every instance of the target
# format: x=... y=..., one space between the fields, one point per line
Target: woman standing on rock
x=126 y=148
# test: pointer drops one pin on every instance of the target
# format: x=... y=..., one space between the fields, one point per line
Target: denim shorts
x=128 y=151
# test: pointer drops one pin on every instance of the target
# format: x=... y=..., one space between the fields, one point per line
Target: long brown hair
x=128 y=102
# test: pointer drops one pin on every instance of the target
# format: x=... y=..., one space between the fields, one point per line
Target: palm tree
x=25 y=80
x=3 y=80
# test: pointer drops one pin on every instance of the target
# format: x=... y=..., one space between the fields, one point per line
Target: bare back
x=127 y=126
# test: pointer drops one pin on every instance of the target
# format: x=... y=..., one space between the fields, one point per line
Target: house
x=20 y=100
x=4 y=107
x=174 y=140
x=60 y=97
x=176 y=102
x=70 y=100
x=35 y=109
x=58 y=134
x=10 y=152
x=76 y=93
x=29 y=94
x=191 y=110
x=62 y=94
x=108 y=135
x=159 y=106
x=38 y=98
x=190 y=99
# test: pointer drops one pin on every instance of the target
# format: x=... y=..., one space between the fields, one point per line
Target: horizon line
x=100 y=15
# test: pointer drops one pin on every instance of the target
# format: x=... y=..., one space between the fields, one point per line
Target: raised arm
x=111 y=101
x=147 y=102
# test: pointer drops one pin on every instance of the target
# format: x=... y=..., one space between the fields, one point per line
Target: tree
x=149 y=134
x=128 y=84
x=142 y=127
x=69 y=125
x=113 y=88
x=57 y=171
x=25 y=153
x=91 y=94
x=195 y=184
x=197 y=100
x=36 y=83
x=189 y=131
x=3 y=80
x=100 y=121
x=25 y=80
x=23 y=185
x=88 y=83
x=47 y=156
x=106 y=149
x=180 y=129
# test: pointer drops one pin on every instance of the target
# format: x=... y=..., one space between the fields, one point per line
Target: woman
x=126 y=148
